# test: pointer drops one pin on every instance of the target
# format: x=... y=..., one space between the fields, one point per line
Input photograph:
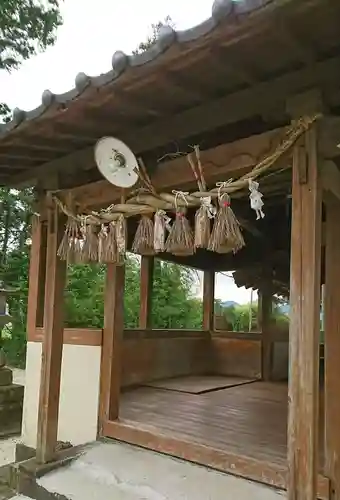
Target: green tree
x=173 y=305
x=26 y=27
x=238 y=316
x=150 y=40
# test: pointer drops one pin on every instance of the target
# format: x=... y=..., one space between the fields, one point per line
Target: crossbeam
x=232 y=159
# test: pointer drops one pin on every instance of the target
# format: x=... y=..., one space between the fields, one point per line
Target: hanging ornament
x=203 y=217
x=121 y=239
x=102 y=237
x=256 y=201
x=161 y=224
x=226 y=235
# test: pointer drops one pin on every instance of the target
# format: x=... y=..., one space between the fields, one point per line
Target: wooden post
x=112 y=338
x=52 y=346
x=303 y=397
x=266 y=304
x=37 y=276
x=146 y=284
x=259 y=311
x=208 y=300
x=332 y=346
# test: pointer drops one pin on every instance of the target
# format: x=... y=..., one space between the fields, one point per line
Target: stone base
x=6 y=376
x=11 y=404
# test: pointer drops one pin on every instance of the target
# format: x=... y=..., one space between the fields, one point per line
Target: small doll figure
x=255 y=197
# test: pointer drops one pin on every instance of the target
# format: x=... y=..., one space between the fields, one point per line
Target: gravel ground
x=7 y=446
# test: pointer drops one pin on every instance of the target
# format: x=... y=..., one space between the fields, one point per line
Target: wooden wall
x=152 y=355
x=156 y=354
x=236 y=356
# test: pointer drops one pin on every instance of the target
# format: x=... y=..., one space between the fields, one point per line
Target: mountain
x=284 y=309
x=229 y=303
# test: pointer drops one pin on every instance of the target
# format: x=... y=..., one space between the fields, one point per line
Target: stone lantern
x=5 y=318
x=11 y=395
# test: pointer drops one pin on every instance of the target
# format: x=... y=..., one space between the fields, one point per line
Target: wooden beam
x=304 y=323
x=332 y=346
x=52 y=347
x=331 y=178
x=265 y=317
x=208 y=300
x=37 y=274
x=240 y=105
x=112 y=338
x=146 y=285
x=232 y=159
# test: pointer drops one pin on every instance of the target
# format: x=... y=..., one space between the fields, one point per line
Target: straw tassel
x=180 y=240
x=70 y=245
x=144 y=237
x=90 y=247
x=226 y=235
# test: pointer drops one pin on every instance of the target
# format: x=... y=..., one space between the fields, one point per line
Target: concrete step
x=20 y=497
x=122 y=472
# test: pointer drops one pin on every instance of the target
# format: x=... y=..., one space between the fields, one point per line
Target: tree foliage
x=26 y=27
x=237 y=317
x=172 y=304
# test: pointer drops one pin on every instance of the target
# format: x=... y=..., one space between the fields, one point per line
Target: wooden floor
x=247 y=423
x=246 y=420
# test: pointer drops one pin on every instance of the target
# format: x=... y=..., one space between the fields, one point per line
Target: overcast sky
x=91 y=33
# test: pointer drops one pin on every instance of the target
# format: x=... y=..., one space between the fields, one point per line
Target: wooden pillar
x=37 y=276
x=265 y=318
x=52 y=346
x=112 y=339
x=208 y=300
x=304 y=323
x=332 y=347
x=146 y=284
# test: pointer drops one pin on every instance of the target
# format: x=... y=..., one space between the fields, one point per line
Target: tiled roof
x=121 y=62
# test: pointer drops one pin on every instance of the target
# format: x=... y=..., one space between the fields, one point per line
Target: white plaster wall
x=79 y=398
